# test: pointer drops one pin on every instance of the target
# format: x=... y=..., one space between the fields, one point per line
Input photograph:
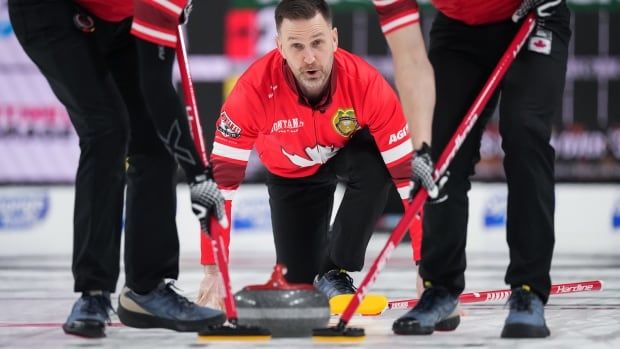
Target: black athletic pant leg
x=151 y=240
x=368 y=184
x=531 y=99
x=463 y=57
x=165 y=107
x=459 y=54
x=77 y=73
x=300 y=213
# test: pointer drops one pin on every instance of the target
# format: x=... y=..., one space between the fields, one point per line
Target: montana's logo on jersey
x=345 y=122
x=227 y=127
x=287 y=125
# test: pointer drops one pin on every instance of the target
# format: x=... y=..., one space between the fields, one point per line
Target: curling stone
x=286 y=309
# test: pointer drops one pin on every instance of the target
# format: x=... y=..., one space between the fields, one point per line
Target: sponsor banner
x=615 y=219
x=37 y=141
x=581 y=154
x=22 y=209
x=36 y=220
x=251 y=209
x=39 y=220
x=587 y=217
x=38 y=160
x=495 y=211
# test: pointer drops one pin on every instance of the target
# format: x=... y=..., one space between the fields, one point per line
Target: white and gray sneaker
x=164 y=308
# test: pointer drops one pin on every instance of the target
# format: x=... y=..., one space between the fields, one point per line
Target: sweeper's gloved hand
x=422 y=168
x=211 y=293
x=544 y=8
x=207 y=200
x=184 y=17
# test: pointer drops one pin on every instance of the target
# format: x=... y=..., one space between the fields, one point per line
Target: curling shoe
x=335 y=283
x=437 y=309
x=89 y=316
x=164 y=308
x=526 y=318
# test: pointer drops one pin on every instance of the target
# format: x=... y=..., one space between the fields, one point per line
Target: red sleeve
x=109 y=10
x=386 y=122
x=156 y=21
x=169 y=7
x=235 y=133
x=395 y=14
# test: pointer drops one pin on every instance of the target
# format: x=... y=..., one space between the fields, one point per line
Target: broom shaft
x=217 y=243
x=498 y=295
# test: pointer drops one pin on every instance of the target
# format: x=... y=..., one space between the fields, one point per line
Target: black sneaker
x=164 y=308
x=437 y=309
x=526 y=318
x=89 y=315
x=334 y=283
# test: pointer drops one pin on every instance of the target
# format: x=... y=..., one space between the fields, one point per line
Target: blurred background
x=39 y=153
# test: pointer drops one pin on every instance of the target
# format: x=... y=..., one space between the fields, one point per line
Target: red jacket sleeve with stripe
x=156 y=21
x=395 y=14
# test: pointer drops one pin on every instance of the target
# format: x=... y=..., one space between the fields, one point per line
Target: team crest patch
x=227 y=127
x=345 y=122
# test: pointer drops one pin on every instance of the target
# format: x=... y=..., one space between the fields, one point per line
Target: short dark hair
x=301 y=9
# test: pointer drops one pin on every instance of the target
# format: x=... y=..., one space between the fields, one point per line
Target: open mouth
x=312 y=73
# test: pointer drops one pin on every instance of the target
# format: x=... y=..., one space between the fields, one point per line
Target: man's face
x=308 y=45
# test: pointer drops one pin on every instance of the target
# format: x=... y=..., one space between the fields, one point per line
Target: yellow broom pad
x=334 y=339
x=373 y=304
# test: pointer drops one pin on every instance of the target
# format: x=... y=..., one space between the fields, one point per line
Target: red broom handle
x=498 y=295
x=217 y=242
x=442 y=164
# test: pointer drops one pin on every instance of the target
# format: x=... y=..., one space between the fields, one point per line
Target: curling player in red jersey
x=119 y=96
x=467 y=39
x=316 y=114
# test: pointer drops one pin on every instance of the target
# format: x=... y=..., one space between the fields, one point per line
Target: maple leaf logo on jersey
x=319 y=154
x=345 y=122
x=227 y=127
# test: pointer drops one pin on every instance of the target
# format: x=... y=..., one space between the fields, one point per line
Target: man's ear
x=335 y=37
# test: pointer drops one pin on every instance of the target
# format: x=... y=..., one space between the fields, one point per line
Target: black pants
x=301 y=209
x=95 y=75
x=165 y=107
x=463 y=57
